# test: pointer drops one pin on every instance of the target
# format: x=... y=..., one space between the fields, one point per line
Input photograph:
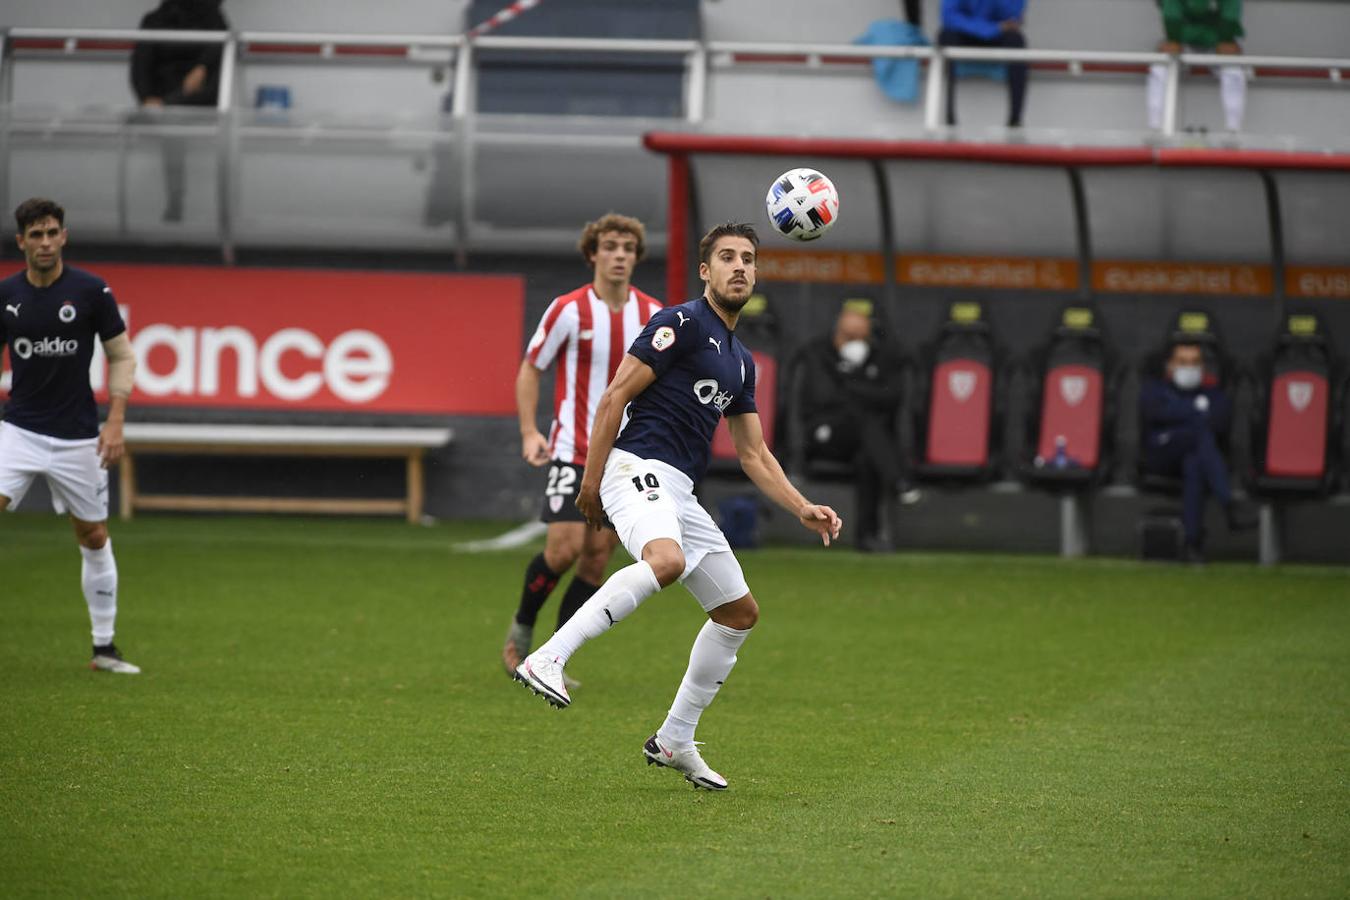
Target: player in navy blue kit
x=50 y=316
x=685 y=371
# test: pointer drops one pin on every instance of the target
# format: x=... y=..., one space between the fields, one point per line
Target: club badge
x=663 y=338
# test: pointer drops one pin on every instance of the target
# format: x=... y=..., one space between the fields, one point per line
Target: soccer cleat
x=544 y=675
x=109 y=659
x=517 y=646
x=695 y=770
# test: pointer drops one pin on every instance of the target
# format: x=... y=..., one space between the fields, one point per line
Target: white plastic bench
x=408 y=444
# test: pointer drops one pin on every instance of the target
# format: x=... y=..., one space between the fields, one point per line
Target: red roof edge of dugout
x=1015 y=154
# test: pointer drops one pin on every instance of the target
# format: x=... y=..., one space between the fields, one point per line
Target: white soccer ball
x=802 y=204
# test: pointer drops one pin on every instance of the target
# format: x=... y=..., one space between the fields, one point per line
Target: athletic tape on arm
x=121 y=365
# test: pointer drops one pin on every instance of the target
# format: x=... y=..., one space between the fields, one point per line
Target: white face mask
x=1188 y=378
x=854 y=353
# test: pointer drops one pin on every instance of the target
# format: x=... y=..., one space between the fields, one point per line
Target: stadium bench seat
x=1073 y=390
x=955 y=407
x=1298 y=418
x=408 y=444
x=766 y=399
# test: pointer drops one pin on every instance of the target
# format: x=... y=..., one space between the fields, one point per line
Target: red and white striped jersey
x=589 y=342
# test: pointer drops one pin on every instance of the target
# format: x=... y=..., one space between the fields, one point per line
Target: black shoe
x=1192 y=555
x=1242 y=517
x=875 y=543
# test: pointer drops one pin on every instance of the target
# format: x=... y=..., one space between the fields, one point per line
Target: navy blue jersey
x=702 y=374
x=50 y=333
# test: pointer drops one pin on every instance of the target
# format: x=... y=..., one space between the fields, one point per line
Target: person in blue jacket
x=1183 y=417
x=986 y=23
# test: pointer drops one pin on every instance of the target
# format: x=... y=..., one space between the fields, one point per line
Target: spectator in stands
x=986 y=23
x=1183 y=418
x=851 y=391
x=178 y=75
x=1206 y=26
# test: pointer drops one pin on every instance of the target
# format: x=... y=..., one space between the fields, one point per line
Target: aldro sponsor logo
x=24 y=348
x=707 y=390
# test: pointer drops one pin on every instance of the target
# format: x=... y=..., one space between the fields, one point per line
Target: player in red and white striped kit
x=585 y=333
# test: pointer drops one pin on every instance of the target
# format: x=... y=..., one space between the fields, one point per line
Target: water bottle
x=1061 y=457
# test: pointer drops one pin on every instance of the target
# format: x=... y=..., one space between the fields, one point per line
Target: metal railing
x=240 y=49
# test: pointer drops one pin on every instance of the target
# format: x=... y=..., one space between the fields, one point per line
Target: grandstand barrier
x=478 y=157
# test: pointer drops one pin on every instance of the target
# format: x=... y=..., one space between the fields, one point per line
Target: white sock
x=710 y=662
x=1233 y=92
x=1157 y=85
x=609 y=606
x=98 y=578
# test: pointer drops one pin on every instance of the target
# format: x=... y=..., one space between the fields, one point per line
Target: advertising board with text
x=355 y=341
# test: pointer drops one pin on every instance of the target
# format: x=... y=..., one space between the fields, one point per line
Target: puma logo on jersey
x=14 y=308
x=683 y=317
x=716 y=343
x=586 y=335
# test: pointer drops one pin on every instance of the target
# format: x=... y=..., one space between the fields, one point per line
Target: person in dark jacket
x=1183 y=417
x=178 y=75
x=986 y=23
x=851 y=385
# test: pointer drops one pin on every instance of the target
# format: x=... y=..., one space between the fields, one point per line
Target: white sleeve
x=558 y=324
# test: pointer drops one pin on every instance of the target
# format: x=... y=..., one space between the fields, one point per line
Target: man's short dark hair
x=36 y=209
x=726 y=229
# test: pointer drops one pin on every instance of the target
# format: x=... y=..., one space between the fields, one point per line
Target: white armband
x=121 y=365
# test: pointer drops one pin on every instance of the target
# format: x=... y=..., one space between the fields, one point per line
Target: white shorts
x=77 y=481
x=645 y=500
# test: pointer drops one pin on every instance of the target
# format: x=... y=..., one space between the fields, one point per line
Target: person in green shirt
x=1206 y=26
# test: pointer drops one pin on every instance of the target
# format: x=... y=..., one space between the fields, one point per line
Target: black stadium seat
x=1195 y=327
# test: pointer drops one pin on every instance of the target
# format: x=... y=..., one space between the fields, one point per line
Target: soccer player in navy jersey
x=50 y=316
x=685 y=371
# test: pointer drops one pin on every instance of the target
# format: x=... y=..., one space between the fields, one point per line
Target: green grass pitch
x=323 y=714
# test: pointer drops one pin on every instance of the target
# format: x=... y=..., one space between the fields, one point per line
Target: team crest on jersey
x=67 y=312
x=664 y=337
x=555 y=503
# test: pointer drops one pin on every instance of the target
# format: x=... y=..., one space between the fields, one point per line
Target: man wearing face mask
x=850 y=393
x=1182 y=419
